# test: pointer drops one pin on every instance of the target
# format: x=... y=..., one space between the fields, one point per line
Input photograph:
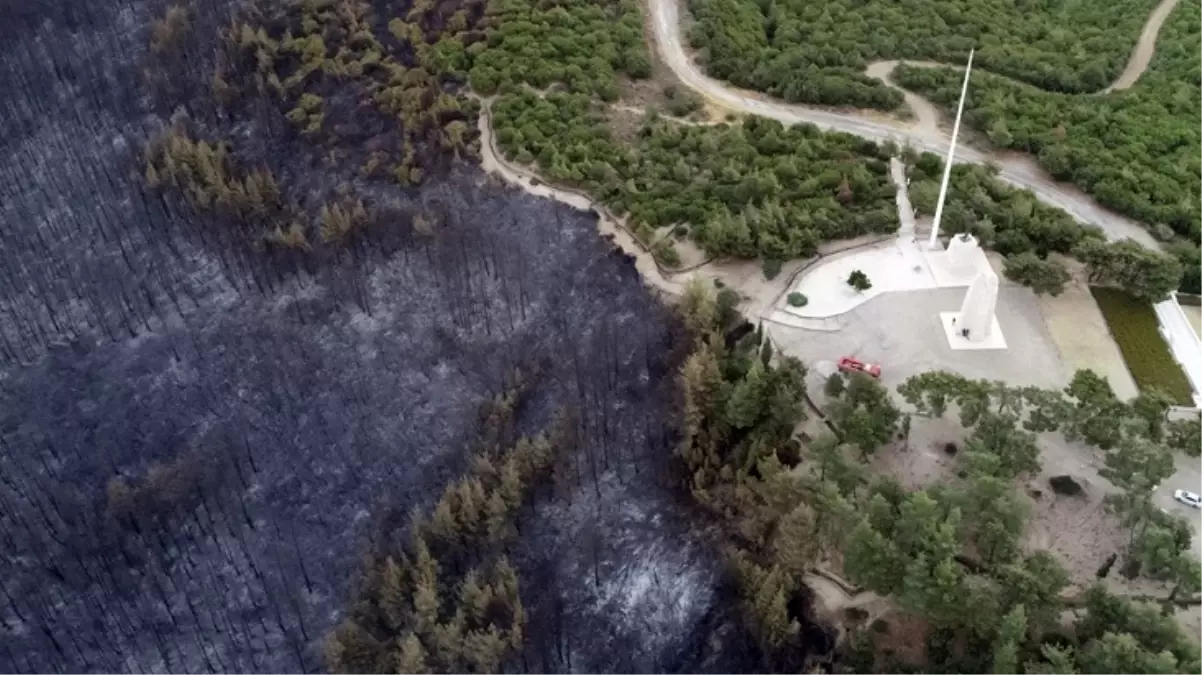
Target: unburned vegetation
x=1135 y=151
x=747 y=190
x=815 y=52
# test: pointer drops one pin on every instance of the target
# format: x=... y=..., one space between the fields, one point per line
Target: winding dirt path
x=1141 y=56
x=492 y=161
x=923 y=133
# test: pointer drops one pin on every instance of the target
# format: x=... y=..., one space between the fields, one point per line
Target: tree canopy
x=1136 y=151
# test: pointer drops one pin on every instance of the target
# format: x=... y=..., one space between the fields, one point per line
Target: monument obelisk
x=933 y=242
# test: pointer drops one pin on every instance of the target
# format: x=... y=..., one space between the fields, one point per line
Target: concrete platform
x=895 y=266
x=898 y=266
x=903 y=333
x=996 y=339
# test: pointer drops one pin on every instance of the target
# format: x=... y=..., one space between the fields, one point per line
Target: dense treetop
x=750 y=189
x=1136 y=151
x=804 y=50
x=1039 y=66
x=580 y=44
x=951 y=554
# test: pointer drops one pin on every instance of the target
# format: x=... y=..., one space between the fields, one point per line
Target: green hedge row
x=1137 y=332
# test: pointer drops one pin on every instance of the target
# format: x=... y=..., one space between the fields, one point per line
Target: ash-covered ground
x=279 y=405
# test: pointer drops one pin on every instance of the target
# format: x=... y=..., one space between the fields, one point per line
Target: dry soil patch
x=1082 y=337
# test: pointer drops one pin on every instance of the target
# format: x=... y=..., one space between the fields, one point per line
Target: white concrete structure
x=960 y=252
x=975 y=326
x=933 y=242
x=900 y=265
x=960 y=265
x=1183 y=342
x=896 y=266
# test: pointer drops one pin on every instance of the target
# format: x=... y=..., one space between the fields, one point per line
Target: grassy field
x=1135 y=329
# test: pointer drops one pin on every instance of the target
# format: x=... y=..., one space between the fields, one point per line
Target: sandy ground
x=1081 y=335
x=1079 y=531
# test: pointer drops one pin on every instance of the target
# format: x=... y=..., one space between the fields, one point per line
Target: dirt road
x=1141 y=56
x=923 y=134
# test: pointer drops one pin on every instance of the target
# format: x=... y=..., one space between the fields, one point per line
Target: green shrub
x=1137 y=332
x=796 y=299
x=666 y=253
x=771 y=268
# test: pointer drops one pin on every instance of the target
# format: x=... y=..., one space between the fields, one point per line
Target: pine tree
x=511 y=490
x=771 y=612
x=1009 y=642
x=794 y=545
x=474 y=598
x=443 y=525
x=472 y=501
x=395 y=594
x=497 y=518
x=745 y=404
x=699 y=308
x=484 y=649
x=411 y=656
x=426 y=592
x=448 y=644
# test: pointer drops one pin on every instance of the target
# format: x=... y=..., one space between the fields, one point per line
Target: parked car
x=849 y=365
x=1188 y=498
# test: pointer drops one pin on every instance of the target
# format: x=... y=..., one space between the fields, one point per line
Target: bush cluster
x=746 y=190
x=581 y=45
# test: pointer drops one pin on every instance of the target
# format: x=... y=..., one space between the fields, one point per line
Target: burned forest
x=287 y=384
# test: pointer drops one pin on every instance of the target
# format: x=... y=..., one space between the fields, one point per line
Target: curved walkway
x=493 y=162
x=1020 y=171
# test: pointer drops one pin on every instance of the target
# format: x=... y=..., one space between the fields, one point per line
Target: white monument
x=933 y=242
x=962 y=253
x=975 y=326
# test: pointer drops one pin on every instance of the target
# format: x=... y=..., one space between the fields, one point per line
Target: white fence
x=1184 y=343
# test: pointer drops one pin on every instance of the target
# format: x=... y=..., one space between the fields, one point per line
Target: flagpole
x=951 y=153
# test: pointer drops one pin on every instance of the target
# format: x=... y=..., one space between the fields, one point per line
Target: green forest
x=1017 y=225
x=744 y=190
x=950 y=555
x=751 y=188
x=581 y=45
x=1038 y=65
x=1136 y=151
x=815 y=52
x=747 y=190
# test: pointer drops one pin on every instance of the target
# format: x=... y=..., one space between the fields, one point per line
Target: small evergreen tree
x=859 y=281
